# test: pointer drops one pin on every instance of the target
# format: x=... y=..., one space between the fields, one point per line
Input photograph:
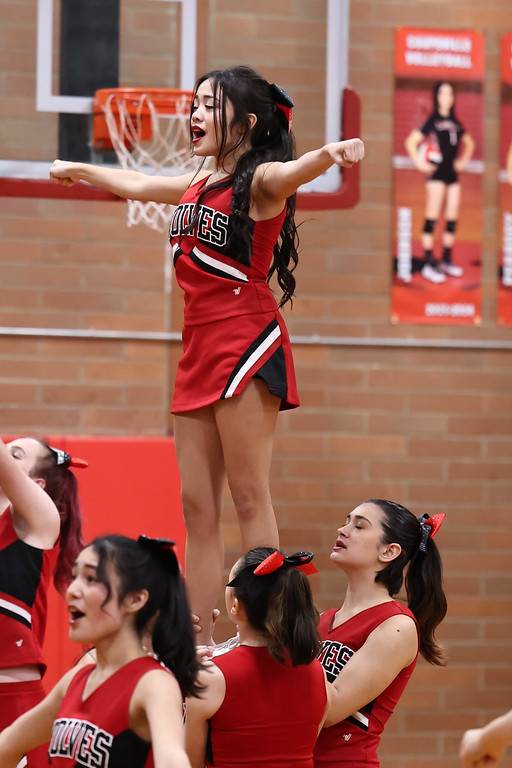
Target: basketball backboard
x=84 y=45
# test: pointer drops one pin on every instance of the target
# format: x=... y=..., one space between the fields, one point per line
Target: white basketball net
x=166 y=153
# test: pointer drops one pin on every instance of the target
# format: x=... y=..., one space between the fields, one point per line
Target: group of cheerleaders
x=293 y=688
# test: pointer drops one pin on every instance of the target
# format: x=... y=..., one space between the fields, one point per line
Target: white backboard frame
x=336 y=75
x=47 y=101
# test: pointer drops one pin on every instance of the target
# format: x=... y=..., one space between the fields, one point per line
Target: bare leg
x=435 y=191
x=246 y=427
x=451 y=212
x=451 y=216
x=201 y=467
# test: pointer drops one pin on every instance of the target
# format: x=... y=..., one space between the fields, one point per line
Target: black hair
x=270 y=140
x=61 y=486
x=139 y=566
x=435 y=94
x=283 y=610
x=423 y=580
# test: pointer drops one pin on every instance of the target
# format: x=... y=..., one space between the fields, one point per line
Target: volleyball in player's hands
x=428 y=153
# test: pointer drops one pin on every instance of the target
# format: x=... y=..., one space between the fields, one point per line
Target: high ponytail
x=279 y=605
x=423 y=581
x=62 y=487
x=426 y=599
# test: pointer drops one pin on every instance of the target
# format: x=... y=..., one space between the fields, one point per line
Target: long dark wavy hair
x=423 y=579
x=270 y=140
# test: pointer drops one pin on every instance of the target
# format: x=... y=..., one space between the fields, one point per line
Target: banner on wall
x=437 y=173
x=505 y=179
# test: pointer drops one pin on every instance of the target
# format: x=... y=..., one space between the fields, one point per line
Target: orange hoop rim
x=164 y=100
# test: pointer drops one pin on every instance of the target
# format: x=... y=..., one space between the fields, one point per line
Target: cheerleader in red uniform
x=232 y=230
x=40 y=536
x=126 y=709
x=264 y=701
x=371 y=643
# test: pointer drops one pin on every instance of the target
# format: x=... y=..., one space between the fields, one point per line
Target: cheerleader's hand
x=346 y=153
x=64 y=173
x=196 y=620
x=204 y=653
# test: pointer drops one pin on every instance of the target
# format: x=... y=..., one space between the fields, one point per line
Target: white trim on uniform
x=258 y=352
x=16 y=609
x=361 y=718
x=219 y=265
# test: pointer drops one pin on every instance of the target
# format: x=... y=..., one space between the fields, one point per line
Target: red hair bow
x=429 y=528
x=435 y=522
x=300 y=560
x=63 y=458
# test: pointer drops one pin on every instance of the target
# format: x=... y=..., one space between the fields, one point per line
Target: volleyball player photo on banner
x=438 y=176
x=505 y=179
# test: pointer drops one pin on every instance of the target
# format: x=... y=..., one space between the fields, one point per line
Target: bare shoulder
x=195 y=176
x=210 y=676
x=187 y=180
x=60 y=688
x=157 y=682
x=267 y=193
x=399 y=634
x=400 y=622
x=213 y=690
x=264 y=175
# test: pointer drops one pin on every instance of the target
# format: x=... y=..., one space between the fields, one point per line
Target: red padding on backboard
x=45 y=188
x=346 y=196
x=131 y=486
x=348 y=193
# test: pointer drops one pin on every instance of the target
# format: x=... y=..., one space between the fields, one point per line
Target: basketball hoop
x=149 y=131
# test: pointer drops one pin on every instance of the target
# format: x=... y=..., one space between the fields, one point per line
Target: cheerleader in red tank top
x=355 y=739
x=126 y=710
x=265 y=700
x=234 y=229
x=233 y=329
x=95 y=729
x=370 y=645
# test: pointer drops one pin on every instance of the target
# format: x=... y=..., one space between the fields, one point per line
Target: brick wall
x=430 y=427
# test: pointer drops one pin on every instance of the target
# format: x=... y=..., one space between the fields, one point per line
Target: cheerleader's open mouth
x=197 y=134
x=74 y=614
